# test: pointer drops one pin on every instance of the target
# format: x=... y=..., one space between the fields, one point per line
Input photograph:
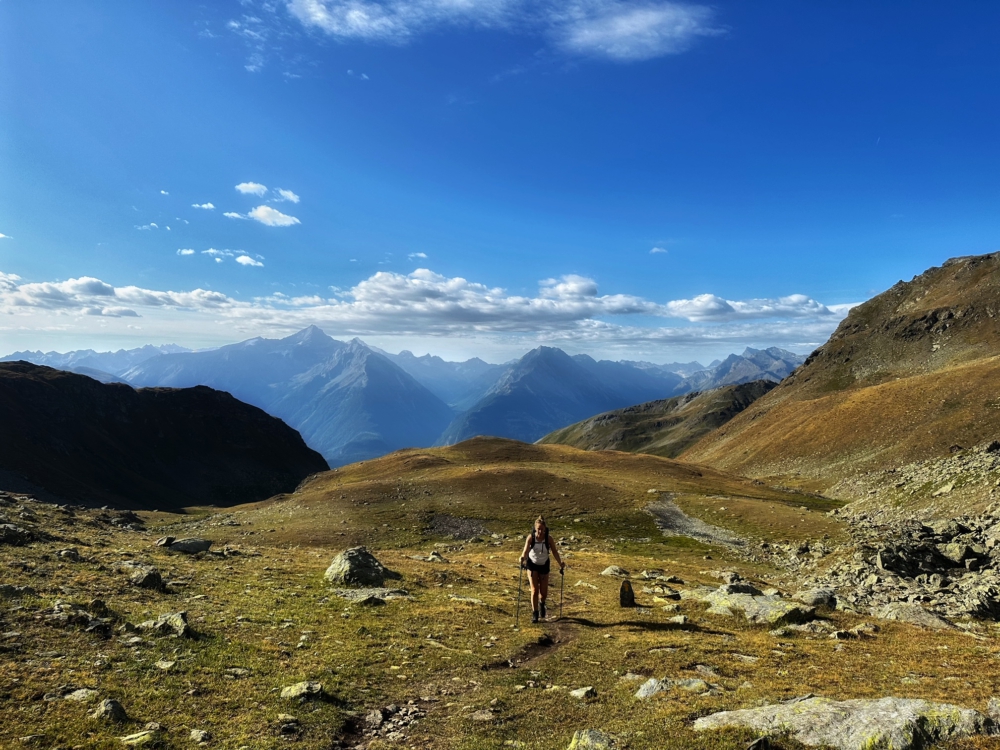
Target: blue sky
x=647 y=180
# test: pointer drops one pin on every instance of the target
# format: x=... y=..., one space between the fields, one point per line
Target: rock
x=83 y=695
x=68 y=554
x=109 y=710
x=590 y=739
x=483 y=715
x=678 y=620
x=693 y=685
x=304 y=691
x=370 y=601
x=15 y=535
x=943 y=490
x=141 y=575
x=147 y=738
x=583 y=693
x=165 y=665
x=626 y=596
x=651 y=687
x=190 y=546
x=164 y=541
x=200 y=735
x=913 y=614
x=64 y=614
x=761 y=610
x=358 y=567
x=740 y=587
x=821 y=597
x=174 y=623
x=15 y=592
x=896 y=723
x=615 y=571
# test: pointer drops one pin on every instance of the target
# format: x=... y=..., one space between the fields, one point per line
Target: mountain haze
x=663 y=428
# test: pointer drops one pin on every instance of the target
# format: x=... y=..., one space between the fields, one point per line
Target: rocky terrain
x=70 y=437
x=663 y=428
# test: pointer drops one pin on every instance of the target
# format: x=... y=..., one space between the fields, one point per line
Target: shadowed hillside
x=907 y=376
x=663 y=428
x=162 y=448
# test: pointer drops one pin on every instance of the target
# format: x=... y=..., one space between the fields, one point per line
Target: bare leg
x=533 y=578
x=543 y=586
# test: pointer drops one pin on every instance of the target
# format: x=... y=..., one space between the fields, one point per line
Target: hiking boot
x=541 y=610
x=534 y=616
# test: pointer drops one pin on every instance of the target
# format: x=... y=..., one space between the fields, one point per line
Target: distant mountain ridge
x=352 y=402
x=157 y=448
x=89 y=362
x=662 y=428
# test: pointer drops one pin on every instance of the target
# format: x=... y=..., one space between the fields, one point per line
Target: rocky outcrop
x=358 y=567
x=744 y=598
x=883 y=724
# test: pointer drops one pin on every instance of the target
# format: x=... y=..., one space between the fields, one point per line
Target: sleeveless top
x=538 y=553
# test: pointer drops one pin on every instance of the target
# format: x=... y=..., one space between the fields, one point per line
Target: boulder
x=913 y=614
x=358 y=567
x=190 y=546
x=590 y=739
x=864 y=724
x=109 y=710
x=141 y=575
x=15 y=535
x=821 y=597
x=81 y=695
x=761 y=610
x=200 y=735
x=304 y=691
x=583 y=693
x=651 y=687
x=146 y=738
x=174 y=623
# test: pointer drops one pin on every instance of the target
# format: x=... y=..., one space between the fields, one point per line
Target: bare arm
x=555 y=551
x=527 y=546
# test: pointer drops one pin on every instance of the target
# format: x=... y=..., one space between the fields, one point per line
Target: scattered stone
x=15 y=592
x=15 y=535
x=678 y=620
x=863 y=724
x=913 y=614
x=358 y=567
x=615 y=571
x=110 y=710
x=483 y=715
x=200 y=735
x=190 y=546
x=304 y=691
x=141 y=575
x=590 y=739
x=164 y=541
x=165 y=665
x=651 y=687
x=81 y=695
x=174 y=623
x=626 y=596
x=821 y=597
x=65 y=615
x=68 y=554
x=757 y=608
x=583 y=693
x=146 y=738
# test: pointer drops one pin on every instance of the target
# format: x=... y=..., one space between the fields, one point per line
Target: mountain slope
x=906 y=376
x=547 y=389
x=663 y=428
x=349 y=402
x=458 y=384
x=772 y=364
x=154 y=448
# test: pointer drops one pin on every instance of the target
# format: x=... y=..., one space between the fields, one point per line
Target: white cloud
x=5 y=236
x=164 y=192
x=185 y=251
x=207 y=206
x=627 y=32
x=657 y=250
x=422 y=256
x=251 y=188
x=272 y=217
x=709 y=307
x=615 y=29
x=218 y=253
x=233 y=215
x=286 y=195
x=567 y=311
x=147 y=227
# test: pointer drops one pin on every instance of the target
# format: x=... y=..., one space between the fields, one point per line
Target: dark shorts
x=543 y=568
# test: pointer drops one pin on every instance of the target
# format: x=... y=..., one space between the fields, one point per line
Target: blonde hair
x=541 y=520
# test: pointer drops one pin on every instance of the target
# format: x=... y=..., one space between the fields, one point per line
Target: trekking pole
x=562 y=587
x=520 y=575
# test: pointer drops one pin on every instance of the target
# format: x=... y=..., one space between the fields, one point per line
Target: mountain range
x=352 y=402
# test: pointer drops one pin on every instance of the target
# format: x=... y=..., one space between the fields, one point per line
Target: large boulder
x=358 y=567
x=730 y=599
x=190 y=546
x=913 y=614
x=882 y=724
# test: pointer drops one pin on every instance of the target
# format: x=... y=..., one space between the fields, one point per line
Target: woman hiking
x=535 y=558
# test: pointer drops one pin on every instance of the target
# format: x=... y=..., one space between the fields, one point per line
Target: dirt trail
x=672 y=521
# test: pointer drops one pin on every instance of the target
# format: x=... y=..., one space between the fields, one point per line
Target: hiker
x=535 y=558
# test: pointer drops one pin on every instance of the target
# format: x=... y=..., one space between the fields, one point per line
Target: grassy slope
x=907 y=375
x=251 y=611
x=662 y=428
